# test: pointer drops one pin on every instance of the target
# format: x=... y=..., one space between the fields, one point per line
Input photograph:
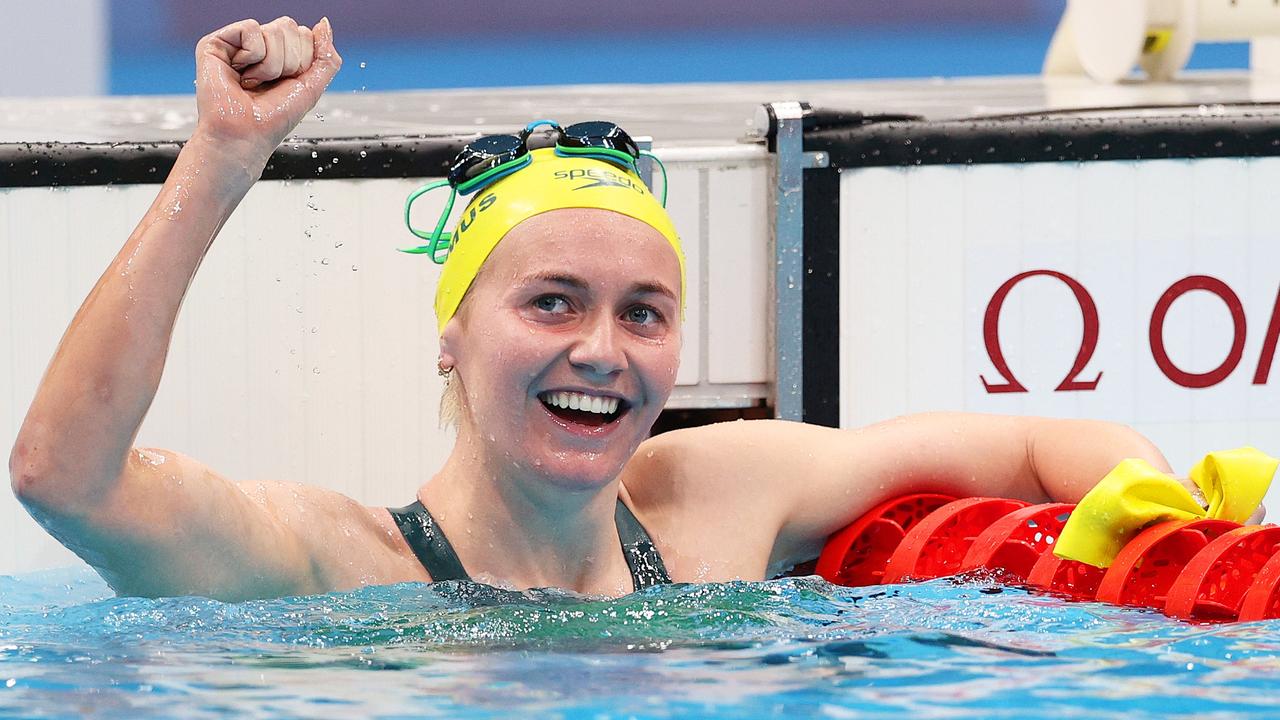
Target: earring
x=443 y=371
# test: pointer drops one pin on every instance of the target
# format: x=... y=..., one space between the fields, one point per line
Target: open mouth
x=584 y=409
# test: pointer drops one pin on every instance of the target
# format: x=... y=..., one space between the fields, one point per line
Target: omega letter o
x=1156 y=331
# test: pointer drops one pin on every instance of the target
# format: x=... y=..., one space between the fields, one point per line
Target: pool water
x=784 y=648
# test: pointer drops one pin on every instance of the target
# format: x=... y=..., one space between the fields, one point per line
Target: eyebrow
x=655 y=288
x=573 y=281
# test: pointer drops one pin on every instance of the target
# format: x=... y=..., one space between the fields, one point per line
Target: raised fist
x=255 y=82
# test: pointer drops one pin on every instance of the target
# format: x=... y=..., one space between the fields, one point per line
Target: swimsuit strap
x=427 y=540
x=647 y=568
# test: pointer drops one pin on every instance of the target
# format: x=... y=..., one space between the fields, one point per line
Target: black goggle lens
x=484 y=154
x=599 y=134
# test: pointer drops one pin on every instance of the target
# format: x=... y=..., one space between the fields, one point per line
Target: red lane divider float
x=1075 y=580
x=1208 y=570
x=1016 y=541
x=1145 y=569
x=856 y=556
x=936 y=546
x=1262 y=600
x=1213 y=583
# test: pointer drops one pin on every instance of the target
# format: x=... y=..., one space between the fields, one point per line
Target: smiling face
x=568 y=344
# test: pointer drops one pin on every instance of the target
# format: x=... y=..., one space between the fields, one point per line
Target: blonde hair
x=451 y=401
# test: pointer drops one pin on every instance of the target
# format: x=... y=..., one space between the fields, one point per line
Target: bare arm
x=138 y=521
x=807 y=482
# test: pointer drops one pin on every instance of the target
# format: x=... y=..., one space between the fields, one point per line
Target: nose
x=599 y=348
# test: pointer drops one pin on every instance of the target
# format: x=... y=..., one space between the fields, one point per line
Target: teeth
x=581 y=401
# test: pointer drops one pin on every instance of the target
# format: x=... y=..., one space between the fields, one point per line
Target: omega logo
x=1155 y=335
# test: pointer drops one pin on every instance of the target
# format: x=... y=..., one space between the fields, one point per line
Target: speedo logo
x=469 y=217
x=599 y=177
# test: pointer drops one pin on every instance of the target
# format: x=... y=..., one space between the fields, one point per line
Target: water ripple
x=953 y=647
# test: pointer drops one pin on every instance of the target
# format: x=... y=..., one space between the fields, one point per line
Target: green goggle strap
x=493 y=174
x=439 y=242
x=600 y=153
x=661 y=167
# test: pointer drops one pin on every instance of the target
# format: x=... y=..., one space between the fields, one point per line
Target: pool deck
x=685 y=115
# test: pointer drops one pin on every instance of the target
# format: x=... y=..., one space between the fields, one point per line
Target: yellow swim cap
x=1135 y=495
x=550 y=182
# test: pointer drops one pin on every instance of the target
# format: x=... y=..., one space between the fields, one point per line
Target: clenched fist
x=255 y=82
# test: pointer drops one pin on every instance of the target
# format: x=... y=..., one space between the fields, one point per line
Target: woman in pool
x=575 y=306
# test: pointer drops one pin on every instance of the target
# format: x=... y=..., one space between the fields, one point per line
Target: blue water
x=786 y=648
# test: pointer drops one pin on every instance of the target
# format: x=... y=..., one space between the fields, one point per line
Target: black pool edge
x=874 y=141
x=1048 y=138
x=87 y=164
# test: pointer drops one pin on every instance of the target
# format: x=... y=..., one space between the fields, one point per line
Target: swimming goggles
x=486 y=160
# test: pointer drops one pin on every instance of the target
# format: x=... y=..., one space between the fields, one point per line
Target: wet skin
x=575 y=300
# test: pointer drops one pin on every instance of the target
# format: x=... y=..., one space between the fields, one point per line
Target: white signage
x=1145 y=292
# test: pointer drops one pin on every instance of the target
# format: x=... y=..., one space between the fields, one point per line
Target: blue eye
x=643 y=315
x=551 y=304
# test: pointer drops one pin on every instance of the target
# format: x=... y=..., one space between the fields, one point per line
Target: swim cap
x=1134 y=495
x=549 y=182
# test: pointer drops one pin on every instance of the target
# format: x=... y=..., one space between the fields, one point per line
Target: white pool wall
x=925 y=249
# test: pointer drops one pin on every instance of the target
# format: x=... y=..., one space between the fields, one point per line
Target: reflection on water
x=787 y=647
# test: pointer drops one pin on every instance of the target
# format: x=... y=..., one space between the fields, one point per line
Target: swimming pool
x=793 y=647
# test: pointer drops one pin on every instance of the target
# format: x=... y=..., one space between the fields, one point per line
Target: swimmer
x=570 y=305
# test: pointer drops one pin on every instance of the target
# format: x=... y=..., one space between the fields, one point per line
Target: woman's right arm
x=158 y=523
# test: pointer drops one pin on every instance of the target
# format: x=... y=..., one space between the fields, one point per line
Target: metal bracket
x=781 y=124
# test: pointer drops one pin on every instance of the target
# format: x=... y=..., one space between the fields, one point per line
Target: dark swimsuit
x=428 y=542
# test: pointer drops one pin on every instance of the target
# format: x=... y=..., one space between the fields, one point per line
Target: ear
x=450 y=342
